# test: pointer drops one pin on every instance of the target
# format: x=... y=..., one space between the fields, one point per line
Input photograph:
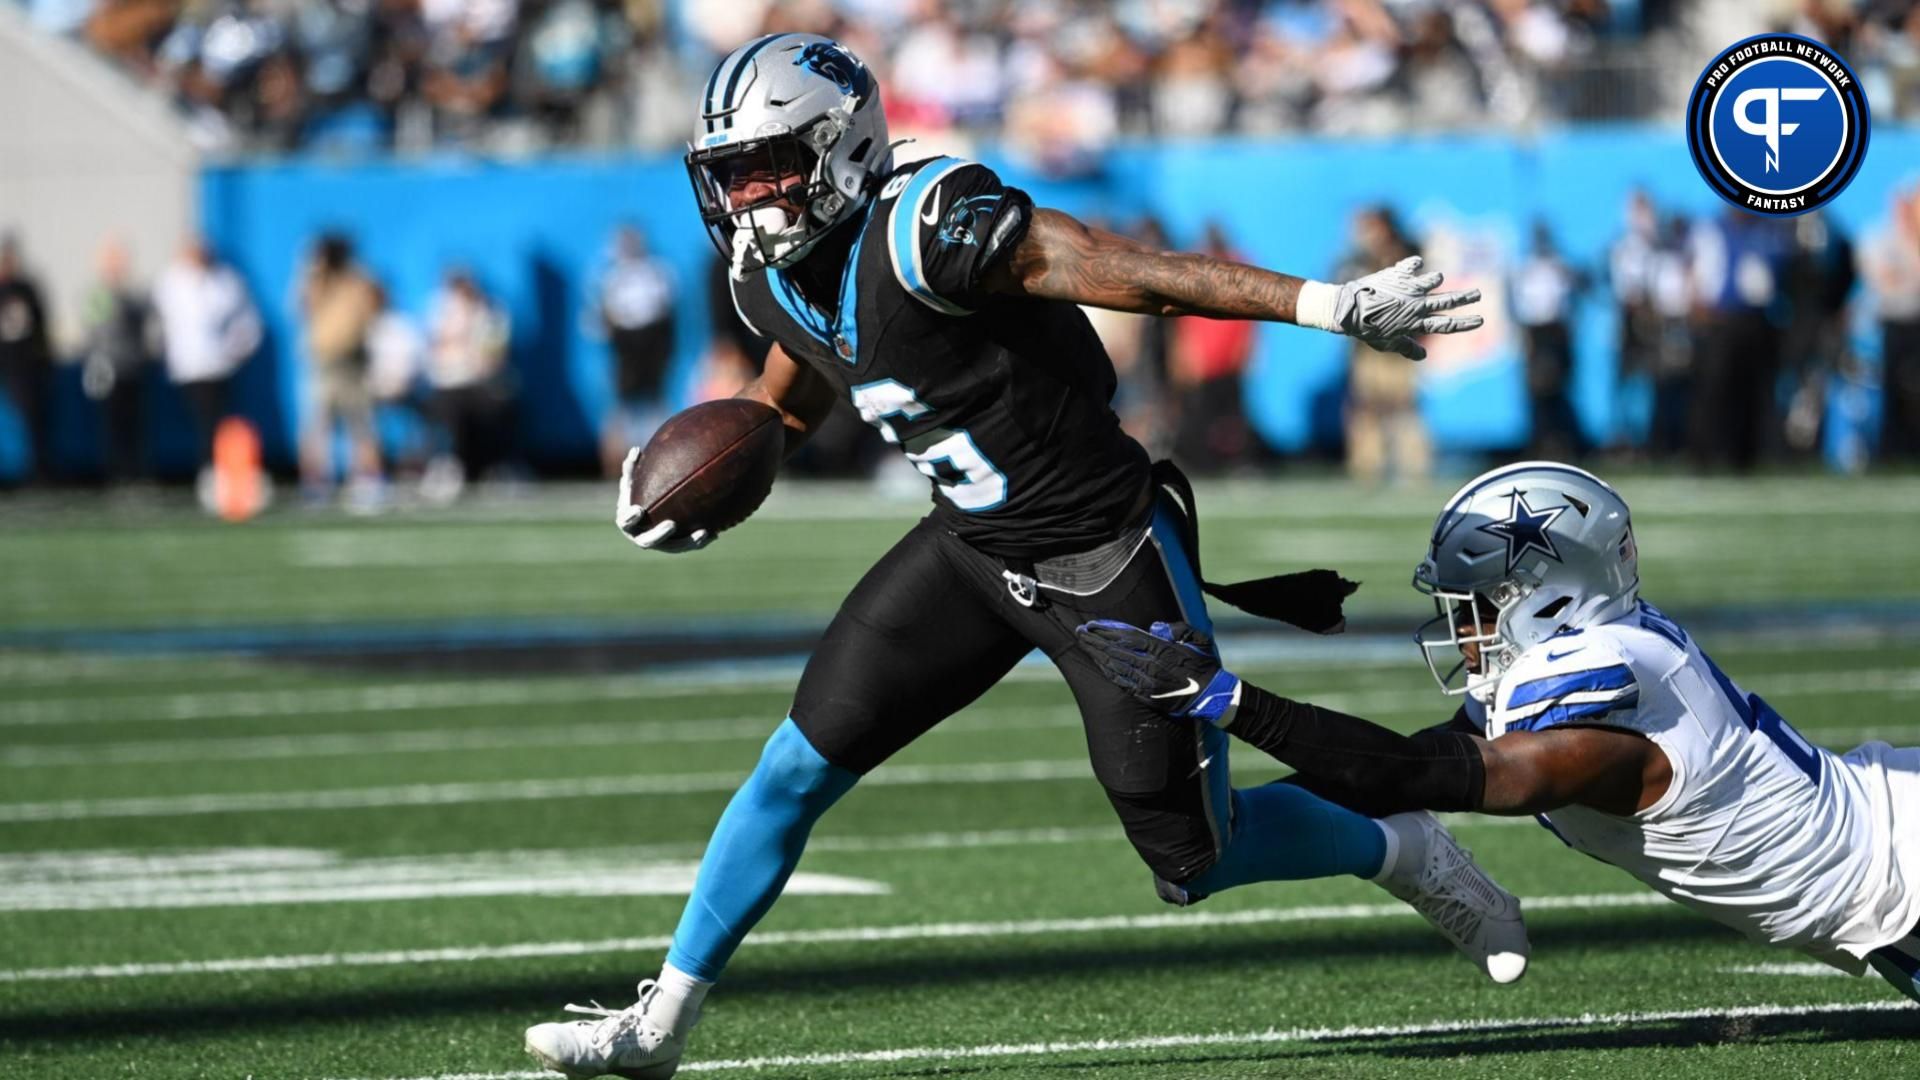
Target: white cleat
x=623 y=1042
x=1440 y=880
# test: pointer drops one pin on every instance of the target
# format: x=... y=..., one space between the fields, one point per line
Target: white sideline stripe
x=603 y=733
x=1272 y=1036
x=721 y=729
x=1805 y=969
x=586 y=787
x=236 y=877
x=397 y=697
x=390 y=697
x=443 y=739
x=589 y=787
x=838 y=935
x=119 y=865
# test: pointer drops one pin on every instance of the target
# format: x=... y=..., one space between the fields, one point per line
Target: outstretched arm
x=1063 y=259
x=1370 y=767
x=1059 y=258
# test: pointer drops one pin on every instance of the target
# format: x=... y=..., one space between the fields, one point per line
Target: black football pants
x=935 y=623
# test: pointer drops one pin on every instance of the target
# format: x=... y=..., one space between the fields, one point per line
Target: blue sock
x=1285 y=833
x=754 y=850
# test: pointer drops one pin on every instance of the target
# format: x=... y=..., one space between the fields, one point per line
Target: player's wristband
x=1219 y=701
x=1315 y=304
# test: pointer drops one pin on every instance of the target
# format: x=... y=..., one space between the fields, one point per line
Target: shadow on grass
x=385 y=994
x=1297 y=1059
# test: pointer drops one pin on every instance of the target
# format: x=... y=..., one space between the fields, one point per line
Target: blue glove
x=1171 y=667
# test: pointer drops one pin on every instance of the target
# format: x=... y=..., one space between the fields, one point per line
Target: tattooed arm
x=1061 y=259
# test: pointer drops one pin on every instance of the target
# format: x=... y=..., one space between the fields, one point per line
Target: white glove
x=1387 y=308
x=661 y=537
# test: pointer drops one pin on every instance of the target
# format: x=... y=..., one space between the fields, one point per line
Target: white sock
x=1392 y=857
x=677 y=1006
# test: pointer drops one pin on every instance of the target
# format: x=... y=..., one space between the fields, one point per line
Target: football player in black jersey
x=944 y=307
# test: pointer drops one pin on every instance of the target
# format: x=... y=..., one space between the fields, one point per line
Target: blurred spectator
x=1737 y=259
x=1629 y=275
x=338 y=303
x=1140 y=347
x=26 y=358
x=1055 y=80
x=115 y=360
x=1209 y=360
x=570 y=50
x=1544 y=287
x=1384 y=429
x=209 y=327
x=1670 y=293
x=1819 y=277
x=472 y=394
x=396 y=359
x=1891 y=264
x=466 y=62
x=63 y=17
x=634 y=307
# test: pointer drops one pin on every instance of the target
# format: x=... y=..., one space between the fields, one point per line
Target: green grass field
x=215 y=863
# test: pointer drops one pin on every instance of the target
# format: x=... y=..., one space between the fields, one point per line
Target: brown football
x=710 y=466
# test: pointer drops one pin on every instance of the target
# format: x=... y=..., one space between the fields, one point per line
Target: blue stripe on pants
x=1166 y=535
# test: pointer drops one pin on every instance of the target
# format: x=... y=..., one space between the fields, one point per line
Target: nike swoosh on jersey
x=1552 y=656
x=1192 y=686
x=932 y=215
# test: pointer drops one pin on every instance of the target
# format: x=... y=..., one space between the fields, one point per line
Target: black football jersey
x=1003 y=401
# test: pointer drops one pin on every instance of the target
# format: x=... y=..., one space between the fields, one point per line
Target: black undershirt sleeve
x=1359 y=764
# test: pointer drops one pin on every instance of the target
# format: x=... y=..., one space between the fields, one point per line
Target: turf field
x=219 y=862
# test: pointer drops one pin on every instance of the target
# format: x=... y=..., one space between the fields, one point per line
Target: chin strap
x=1309 y=599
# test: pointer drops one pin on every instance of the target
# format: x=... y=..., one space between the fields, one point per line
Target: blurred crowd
x=1739 y=342
x=1060 y=78
x=427 y=399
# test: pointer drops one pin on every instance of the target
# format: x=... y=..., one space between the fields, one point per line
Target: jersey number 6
x=969 y=482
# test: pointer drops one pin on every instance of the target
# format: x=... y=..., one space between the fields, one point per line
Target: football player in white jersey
x=1586 y=706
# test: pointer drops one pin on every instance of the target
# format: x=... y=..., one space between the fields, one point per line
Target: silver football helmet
x=786 y=105
x=1518 y=555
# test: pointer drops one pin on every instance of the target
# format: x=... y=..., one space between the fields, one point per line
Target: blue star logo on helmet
x=831 y=60
x=1525 y=529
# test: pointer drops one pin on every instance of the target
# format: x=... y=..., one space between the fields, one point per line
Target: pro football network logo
x=1777 y=124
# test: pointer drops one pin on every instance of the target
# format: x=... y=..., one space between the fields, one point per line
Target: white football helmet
x=786 y=104
x=1536 y=549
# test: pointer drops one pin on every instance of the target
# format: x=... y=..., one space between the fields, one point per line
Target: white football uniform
x=1759 y=830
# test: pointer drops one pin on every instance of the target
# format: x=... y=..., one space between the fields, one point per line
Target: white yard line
x=584 y=787
x=752 y=728
x=837 y=935
x=235 y=877
x=387 y=697
x=1270 y=1037
x=484 y=693
x=410 y=696
x=1807 y=968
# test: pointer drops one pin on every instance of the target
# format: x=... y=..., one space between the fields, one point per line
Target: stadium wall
x=534 y=233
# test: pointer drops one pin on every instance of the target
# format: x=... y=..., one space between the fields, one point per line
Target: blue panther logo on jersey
x=958 y=226
x=1525 y=529
x=833 y=61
